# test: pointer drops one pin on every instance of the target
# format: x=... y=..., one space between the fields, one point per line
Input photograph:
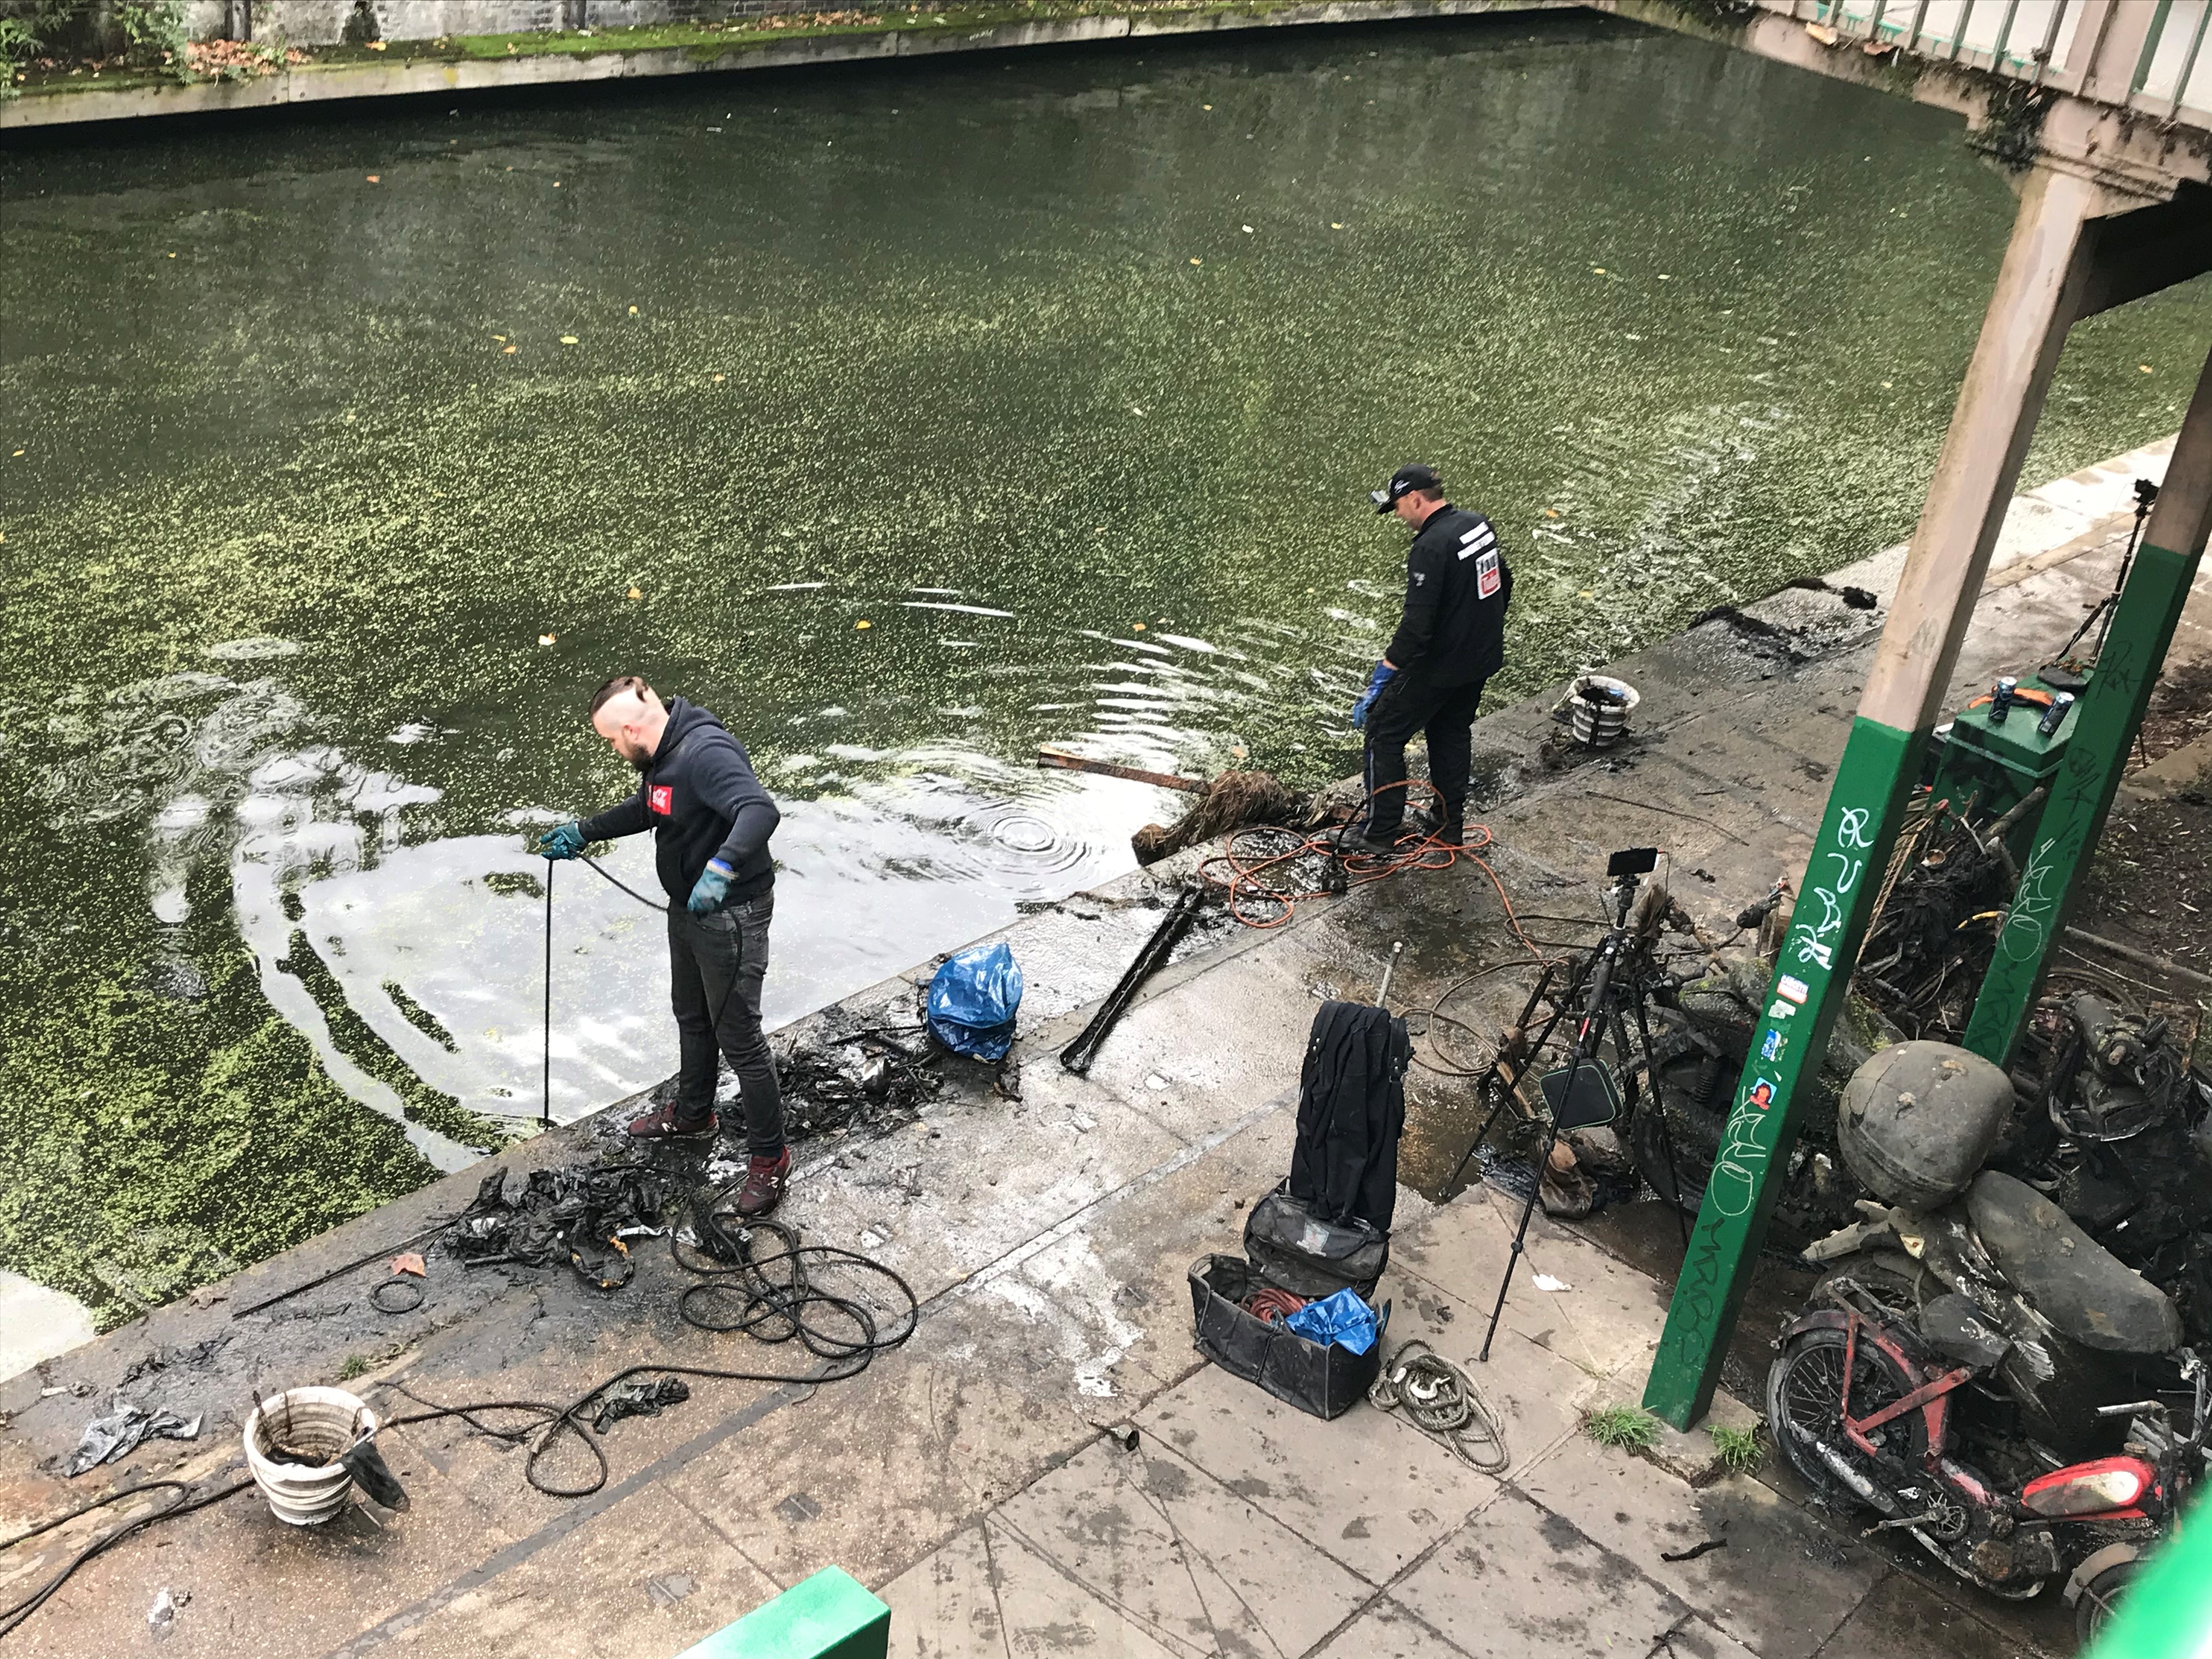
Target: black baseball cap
x=1405 y=480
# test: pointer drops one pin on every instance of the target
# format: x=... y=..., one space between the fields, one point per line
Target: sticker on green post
x=828 y=1616
x=1810 y=979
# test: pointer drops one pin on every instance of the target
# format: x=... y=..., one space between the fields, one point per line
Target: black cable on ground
x=12 y=1618
x=771 y=1294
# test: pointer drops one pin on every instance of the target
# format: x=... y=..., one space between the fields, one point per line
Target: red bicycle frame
x=1931 y=1399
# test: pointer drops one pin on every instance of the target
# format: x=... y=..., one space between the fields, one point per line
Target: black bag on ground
x=1320 y=1378
x=1298 y=1251
x=1352 y=1110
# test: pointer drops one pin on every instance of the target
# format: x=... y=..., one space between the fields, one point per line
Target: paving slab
x=1370 y=1492
x=1901 y=1621
x=1607 y=1317
x=1780 y=1586
x=1520 y=1583
x=1387 y=1629
x=944 y=1606
x=871 y=1474
x=647 y=1587
x=1166 y=1543
x=1540 y=1396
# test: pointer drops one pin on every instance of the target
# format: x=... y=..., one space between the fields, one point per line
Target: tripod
x=1582 y=1094
x=2101 y=617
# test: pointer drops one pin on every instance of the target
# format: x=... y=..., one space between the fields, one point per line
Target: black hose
x=12 y=1618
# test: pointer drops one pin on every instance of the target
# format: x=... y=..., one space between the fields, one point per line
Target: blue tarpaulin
x=973 y=1000
x=1343 y=1318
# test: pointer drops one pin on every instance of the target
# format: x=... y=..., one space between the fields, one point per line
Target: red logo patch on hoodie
x=660 y=799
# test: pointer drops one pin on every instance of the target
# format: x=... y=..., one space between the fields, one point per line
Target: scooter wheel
x=2100 y=1596
x=1804 y=1403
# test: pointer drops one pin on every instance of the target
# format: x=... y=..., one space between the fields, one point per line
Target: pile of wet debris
x=583 y=1215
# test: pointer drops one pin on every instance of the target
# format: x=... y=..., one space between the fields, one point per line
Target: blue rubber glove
x=1375 y=681
x=563 y=841
x=710 y=890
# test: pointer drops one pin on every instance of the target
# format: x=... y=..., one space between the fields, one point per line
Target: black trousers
x=1405 y=707
x=716 y=966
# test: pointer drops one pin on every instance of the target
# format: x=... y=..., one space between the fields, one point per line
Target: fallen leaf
x=1550 y=512
x=501 y=339
x=172 y=256
x=410 y=1262
x=718 y=379
x=1205 y=107
x=1139 y=627
x=377 y=46
x=1599 y=270
x=509 y=352
x=633 y=311
x=1246 y=229
x=373 y=179
x=2144 y=366
x=1587 y=594
x=1195 y=261
x=637 y=593
x=1333 y=225
x=567 y=339
x=547 y=639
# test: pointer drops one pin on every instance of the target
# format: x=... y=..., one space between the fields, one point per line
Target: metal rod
x=1079 y=1055
x=545 y=1110
x=2004 y=36
x=1919 y=17
x=2049 y=45
x=1959 y=37
x=339 y=1273
x=2141 y=958
x=1389 y=969
x=1067 y=762
x=2188 y=62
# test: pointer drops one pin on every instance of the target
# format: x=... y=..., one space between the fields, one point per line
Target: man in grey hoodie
x=711 y=821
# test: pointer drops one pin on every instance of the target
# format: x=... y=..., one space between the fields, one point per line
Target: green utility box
x=1996 y=766
x=828 y=1616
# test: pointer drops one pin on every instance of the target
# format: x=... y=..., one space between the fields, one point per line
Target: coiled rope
x=1442 y=1400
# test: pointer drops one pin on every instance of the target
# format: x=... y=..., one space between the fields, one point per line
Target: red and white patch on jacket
x=660 y=799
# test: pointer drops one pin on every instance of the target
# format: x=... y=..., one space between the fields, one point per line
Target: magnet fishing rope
x=1442 y=1402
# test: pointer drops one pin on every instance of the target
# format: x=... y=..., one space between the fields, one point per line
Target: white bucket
x=1600 y=720
x=320 y=1423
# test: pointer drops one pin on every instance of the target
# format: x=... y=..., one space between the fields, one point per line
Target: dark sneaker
x=1450 y=831
x=664 y=1124
x=1376 y=843
x=765 y=1182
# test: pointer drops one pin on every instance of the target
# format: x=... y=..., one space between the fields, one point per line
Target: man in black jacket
x=711 y=821
x=1451 y=639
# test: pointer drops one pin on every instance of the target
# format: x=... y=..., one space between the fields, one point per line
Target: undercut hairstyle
x=622 y=685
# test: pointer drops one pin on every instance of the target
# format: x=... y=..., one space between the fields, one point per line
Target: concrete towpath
x=981 y=1477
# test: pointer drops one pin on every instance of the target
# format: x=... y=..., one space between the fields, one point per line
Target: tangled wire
x=1442 y=1402
x=842 y=1307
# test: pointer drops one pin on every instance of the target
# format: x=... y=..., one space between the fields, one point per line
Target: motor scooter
x=1984 y=1376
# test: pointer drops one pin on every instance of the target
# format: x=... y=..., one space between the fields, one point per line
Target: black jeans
x=716 y=964
x=1405 y=707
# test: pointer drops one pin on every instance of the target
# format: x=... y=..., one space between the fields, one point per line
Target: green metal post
x=1864 y=810
x=2038 y=292
x=828 y=1616
x=2105 y=729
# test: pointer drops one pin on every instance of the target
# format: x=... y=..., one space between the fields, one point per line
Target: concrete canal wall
x=427 y=47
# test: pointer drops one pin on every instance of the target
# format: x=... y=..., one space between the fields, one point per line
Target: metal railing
x=2149 y=56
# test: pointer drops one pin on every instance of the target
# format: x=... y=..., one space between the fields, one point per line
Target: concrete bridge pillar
x=2047 y=271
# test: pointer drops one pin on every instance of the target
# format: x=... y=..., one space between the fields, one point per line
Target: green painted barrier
x=2166 y=1612
x=828 y=1616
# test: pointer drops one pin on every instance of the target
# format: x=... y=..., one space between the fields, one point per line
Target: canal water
x=907 y=417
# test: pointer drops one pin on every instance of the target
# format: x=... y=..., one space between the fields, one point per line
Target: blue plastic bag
x=1343 y=1318
x=973 y=1000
